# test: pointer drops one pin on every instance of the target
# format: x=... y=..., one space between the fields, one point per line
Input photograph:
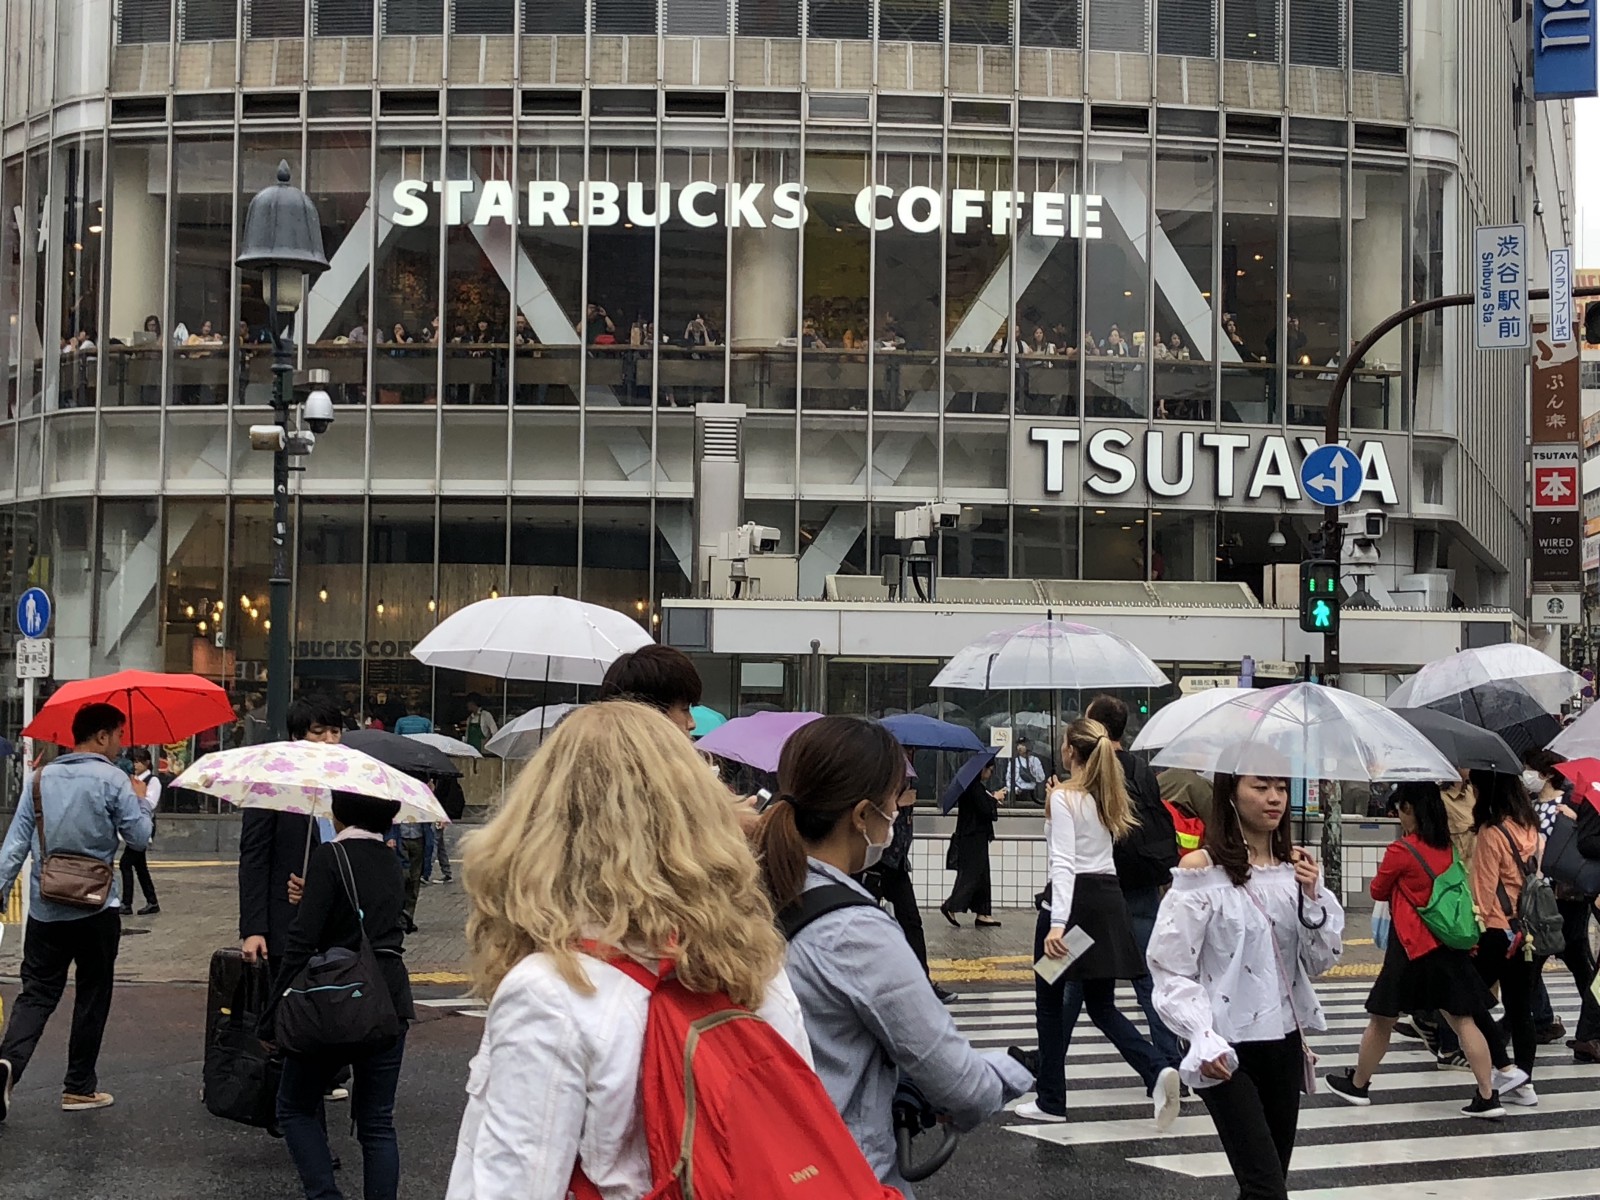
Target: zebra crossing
x=1411 y=1144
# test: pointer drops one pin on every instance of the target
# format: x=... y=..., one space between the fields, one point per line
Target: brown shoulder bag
x=75 y=880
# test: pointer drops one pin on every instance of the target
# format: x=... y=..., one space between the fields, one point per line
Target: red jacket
x=1402 y=881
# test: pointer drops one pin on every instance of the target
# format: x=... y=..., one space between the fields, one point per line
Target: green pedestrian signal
x=1319 y=596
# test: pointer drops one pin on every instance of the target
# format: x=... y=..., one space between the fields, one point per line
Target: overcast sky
x=1586 y=176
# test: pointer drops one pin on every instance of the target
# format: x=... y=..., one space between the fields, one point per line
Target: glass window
x=974 y=456
x=1185 y=326
x=1115 y=545
x=1250 y=29
x=349 y=18
x=195 y=606
x=979 y=325
x=910 y=20
x=549 y=275
x=1187 y=27
x=405 y=269
x=765 y=270
x=906 y=276
x=1377 y=288
x=625 y=16
x=1316 y=33
x=1379 y=35
x=1251 y=226
x=482 y=16
x=209 y=20
x=693 y=317
x=837 y=255
x=981 y=22
x=136 y=227
x=769 y=18
x=1183 y=546
x=1116 y=285
x=697 y=18
x=477 y=297
x=400 y=585
x=413 y=17
x=330 y=625
x=1051 y=23
x=1044 y=542
x=833 y=541
x=202 y=269
x=127 y=590
x=1432 y=243
x=617 y=537
x=259 y=158
x=544 y=548
x=837 y=19
x=337 y=322
x=1314 y=333
x=11 y=259
x=1120 y=25
x=137 y=21
x=249 y=622
x=553 y=16
x=978 y=547
x=619 y=321
x=472 y=553
x=674 y=554
x=36 y=288
x=79 y=216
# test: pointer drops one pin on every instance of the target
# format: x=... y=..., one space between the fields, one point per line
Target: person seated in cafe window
x=1230 y=330
x=597 y=325
x=1176 y=349
x=1039 y=343
x=1091 y=344
x=207 y=336
x=1115 y=346
x=698 y=333
x=1294 y=344
x=891 y=337
x=810 y=339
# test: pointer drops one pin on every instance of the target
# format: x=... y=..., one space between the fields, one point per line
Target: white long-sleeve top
x=1217 y=976
x=556 y=1078
x=1079 y=845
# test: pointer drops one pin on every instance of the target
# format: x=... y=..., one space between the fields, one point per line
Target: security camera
x=318 y=411
x=946 y=516
x=1374 y=524
x=747 y=540
x=764 y=539
x=1276 y=540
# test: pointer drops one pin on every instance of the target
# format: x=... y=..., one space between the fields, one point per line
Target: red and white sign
x=1555 y=479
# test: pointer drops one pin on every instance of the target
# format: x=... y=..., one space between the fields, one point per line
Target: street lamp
x=283 y=240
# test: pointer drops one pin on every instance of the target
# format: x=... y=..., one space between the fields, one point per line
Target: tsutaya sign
x=1240 y=466
x=742 y=205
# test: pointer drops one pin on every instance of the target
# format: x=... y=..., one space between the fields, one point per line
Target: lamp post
x=283 y=240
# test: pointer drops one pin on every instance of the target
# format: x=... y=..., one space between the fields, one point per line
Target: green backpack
x=1448 y=913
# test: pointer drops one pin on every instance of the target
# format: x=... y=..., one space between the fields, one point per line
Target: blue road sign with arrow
x=33 y=612
x=1331 y=476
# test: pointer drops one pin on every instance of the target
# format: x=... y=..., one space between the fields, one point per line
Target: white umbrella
x=301 y=777
x=1167 y=723
x=1051 y=655
x=520 y=738
x=552 y=638
x=1306 y=731
x=1581 y=739
x=446 y=744
x=1540 y=676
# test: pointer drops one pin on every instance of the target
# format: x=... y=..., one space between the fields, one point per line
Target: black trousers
x=894 y=885
x=972 y=890
x=1256 y=1114
x=136 y=861
x=1515 y=977
x=48 y=949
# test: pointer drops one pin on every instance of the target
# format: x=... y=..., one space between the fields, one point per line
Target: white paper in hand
x=1078 y=943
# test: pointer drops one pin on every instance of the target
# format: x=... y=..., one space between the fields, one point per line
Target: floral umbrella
x=301 y=777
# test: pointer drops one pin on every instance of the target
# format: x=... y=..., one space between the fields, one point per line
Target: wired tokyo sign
x=704 y=205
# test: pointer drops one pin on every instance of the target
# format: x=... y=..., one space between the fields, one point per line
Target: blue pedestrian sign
x=1331 y=476
x=33 y=613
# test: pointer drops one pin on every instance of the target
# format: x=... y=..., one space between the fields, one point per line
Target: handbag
x=1382 y=924
x=240 y=1076
x=75 y=880
x=339 y=1003
x=1565 y=863
x=1308 y=1057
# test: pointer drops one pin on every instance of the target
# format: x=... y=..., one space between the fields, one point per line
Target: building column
x=764 y=273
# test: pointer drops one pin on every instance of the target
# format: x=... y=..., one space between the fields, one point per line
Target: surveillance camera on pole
x=318 y=411
x=748 y=540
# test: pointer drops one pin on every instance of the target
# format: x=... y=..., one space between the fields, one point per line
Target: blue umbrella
x=919 y=732
x=969 y=771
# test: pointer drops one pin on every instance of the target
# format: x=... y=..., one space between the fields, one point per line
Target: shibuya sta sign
x=740 y=205
x=1169 y=465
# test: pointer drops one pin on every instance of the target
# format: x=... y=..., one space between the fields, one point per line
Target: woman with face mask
x=869 y=1010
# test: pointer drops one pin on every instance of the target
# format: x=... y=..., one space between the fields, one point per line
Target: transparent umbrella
x=521 y=737
x=1183 y=712
x=1051 y=654
x=1488 y=670
x=1306 y=731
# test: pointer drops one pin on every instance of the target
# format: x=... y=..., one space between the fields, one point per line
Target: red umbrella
x=1585 y=776
x=160 y=708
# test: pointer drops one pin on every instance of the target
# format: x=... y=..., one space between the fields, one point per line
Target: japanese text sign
x=1500 y=287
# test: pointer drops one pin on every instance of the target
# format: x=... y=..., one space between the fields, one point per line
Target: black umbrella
x=1468 y=746
x=969 y=771
x=402 y=753
x=1507 y=709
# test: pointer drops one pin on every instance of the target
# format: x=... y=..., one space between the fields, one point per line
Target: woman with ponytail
x=869 y=1010
x=1085 y=817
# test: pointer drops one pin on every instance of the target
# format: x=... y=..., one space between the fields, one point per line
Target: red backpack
x=731 y=1112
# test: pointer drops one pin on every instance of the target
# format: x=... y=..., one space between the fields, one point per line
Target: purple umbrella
x=756 y=740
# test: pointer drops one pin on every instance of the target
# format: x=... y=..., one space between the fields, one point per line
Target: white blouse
x=1079 y=845
x=1215 y=958
x=556 y=1078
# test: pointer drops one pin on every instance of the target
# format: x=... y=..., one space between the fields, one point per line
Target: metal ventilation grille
x=413 y=17
x=1250 y=30
x=1316 y=33
x=910 y=20
x=341 y=18
x=625 y=16
x=207 y=20
x=1120 y=25
x=1187 y=27
x=1053 y=23
x=483 y=16
x=981 y=22
x=720 y=440
x=552 y=16
x=278 y=18
x=144 y=21
x=769 y=18
x=697 y=18
x=837 y=19
x=1377 y=36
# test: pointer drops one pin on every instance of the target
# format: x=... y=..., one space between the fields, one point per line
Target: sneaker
x=449 y=878
x=1407 y=1030
x=1508 y=1080
x=335 y=1094
x=1344 y=1086
x=1552 y=1033
x=1167 y=1098
x=5 y=1088
x=945 y=994
x=1484 y=1107
x=1428 y=1035
x=1454 y=1062
x=72 y=1103
x=1028 y=1058
x=1032 y=1112
x=1524 y=1096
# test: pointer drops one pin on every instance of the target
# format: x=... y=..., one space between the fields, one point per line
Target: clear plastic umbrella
x=1053 y=655
x=445 y=744
x=1306 y=731
x=1169 y=722
x=521 y=737
x=1465 y=673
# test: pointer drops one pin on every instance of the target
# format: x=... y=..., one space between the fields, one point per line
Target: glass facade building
x=1082 y=266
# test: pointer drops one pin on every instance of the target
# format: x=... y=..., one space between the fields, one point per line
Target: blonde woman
x=1086 y=816
x=614 y=835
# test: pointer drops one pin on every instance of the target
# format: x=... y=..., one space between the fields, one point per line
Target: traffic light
x=1591 y=322
x=1319 y=596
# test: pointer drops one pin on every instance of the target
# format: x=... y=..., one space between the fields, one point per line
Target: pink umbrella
x=756 y=740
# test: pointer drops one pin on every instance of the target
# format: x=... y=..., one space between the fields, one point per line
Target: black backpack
x=1146 y=857
x=1537 y=916
x=819 y=902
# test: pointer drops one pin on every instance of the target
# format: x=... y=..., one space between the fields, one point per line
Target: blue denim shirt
x=89 y=805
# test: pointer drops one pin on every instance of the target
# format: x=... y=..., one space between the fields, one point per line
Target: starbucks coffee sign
x=1154 y=465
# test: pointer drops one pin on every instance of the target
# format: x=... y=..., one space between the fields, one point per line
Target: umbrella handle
x=1322 y=913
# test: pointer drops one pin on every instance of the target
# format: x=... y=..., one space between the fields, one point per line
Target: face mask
x=875 y=849
x=1533 y=781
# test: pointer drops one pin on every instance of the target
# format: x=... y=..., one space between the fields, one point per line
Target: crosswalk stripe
x=1395 y=1151
x=1543 y=1185
x=1088 y=1133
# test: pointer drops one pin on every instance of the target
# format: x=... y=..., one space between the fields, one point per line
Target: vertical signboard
x=1500 y=286
x=1561 y=295
x=1563 y=49
x=1557 y=522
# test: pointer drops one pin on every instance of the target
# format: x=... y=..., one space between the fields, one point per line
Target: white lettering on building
x=1558 y=11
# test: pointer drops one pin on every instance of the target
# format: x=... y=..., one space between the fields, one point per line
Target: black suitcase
x=240 y=1079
